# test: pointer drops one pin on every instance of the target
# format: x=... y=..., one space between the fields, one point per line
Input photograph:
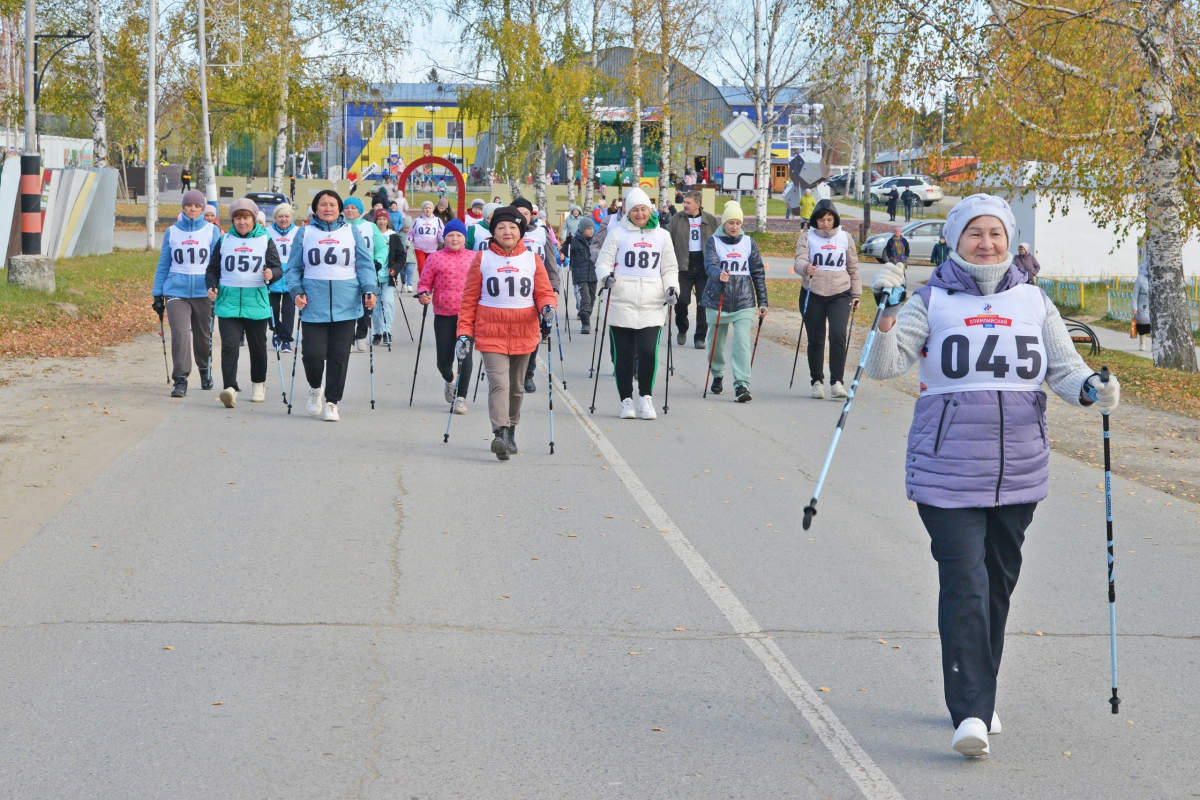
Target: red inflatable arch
x=462 y=185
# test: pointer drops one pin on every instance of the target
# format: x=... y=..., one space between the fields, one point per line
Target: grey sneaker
x=460 y=405
x=818 y=391
x=449 y=392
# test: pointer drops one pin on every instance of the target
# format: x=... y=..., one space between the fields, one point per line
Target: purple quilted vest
x=977 y=449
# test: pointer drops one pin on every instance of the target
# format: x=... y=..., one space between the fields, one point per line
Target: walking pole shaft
x=400 y=302
x=1115 y=701
x=594 y=338
x=667 y=388
x=457 y=386
x=558 y=332
x=603 y=328
x=417 y=361
x=162 y=337
x=550 y=382
x=800 y=336
x=754 y=352
x=295 y=354
x=712 y=352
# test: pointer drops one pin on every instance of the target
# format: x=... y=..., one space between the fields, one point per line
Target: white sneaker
x=460 y=405
x=971 y=738
x=646 y=407
x=627 y=409
x=994 y=728
x=360 y=345
x=408 y=288
x=228 y=396
x=260 y=393
x=449 y=392
x=331 y=414
x=837 y=391
x=818 y=391
x=314 y=401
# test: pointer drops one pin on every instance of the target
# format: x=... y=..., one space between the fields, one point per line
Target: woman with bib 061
x=637 y=265
x=828 y=265
x=978 y=458
x=331 y=275
x=243 y=262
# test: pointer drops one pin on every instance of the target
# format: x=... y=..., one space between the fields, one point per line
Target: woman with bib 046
x=283 y=311
x=180 y=290
x=737 y=286
x=978 y=459
x=243 y=262
x=828 y=265
x=637 y=265
x=331 y=275
x=506 y=286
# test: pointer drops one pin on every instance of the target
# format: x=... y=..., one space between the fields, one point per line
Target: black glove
x=462 y=348
x=159 y=305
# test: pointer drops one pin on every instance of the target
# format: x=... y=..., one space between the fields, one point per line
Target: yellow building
x=407 y=120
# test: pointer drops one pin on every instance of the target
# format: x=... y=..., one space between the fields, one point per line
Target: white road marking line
x=845 y=750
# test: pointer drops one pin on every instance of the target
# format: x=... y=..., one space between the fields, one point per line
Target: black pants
x=978 y=551
x=907 y=212
x=834 y=310
x=185 y=184
x=232 y=329
x=283 y=315
x=688 y=282
x=364 y=324
x=328 y=342
x=587 y=299
x=445 y=334
x=629 y=344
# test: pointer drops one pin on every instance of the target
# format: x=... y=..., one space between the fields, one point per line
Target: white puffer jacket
x=639 y=302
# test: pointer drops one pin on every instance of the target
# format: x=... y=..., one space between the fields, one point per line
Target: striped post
x=31 y=204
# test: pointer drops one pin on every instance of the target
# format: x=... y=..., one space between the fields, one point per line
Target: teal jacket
x=240 y=301
x=332 y=301
x=378 y=240
x=279 y=285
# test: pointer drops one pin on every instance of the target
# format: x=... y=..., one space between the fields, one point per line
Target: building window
x=395 y=131
x=456 y=160
x=454 y=130
x=366 y=128
x=425 y=130
x=779 y=133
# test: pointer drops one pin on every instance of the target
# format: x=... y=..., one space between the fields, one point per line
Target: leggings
x=628 y=343
x=328 y=343
x=283 y=315
x=232 y=329
x=445 y=334
x=834 y=310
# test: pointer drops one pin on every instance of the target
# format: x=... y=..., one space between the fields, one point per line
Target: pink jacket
x=426 y=234
x=445 y=274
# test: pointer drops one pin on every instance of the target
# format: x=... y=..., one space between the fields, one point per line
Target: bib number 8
x=956 y=357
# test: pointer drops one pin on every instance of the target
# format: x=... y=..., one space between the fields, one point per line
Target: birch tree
x=99 y=110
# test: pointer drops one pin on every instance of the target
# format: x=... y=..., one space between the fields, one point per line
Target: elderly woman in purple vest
x=978 y=459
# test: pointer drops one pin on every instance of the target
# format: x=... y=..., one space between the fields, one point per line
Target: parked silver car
x=927 y=191
x=921 y=236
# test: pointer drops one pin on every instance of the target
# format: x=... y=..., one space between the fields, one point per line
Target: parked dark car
x=838 y=183
x=267 y=201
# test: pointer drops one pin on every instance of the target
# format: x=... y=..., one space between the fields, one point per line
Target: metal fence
x=1063 y=293
x=1120 y=306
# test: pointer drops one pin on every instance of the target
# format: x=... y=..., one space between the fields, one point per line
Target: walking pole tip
x=810 y=511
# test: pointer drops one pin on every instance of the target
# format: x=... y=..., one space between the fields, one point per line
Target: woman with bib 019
x=638 y=268
x=331 y=276
x=978 y=459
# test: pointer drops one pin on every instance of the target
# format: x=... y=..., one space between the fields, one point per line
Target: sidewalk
x=1115 y=340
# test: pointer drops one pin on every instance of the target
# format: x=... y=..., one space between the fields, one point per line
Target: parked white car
x=921 y=236
x=925 y=189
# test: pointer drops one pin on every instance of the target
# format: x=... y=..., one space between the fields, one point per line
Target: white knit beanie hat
x=978 y=205
x=637 y=197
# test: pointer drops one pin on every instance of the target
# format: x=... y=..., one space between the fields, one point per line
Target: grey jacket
x=741 y=291
x=1141 y=299
x=678 y=228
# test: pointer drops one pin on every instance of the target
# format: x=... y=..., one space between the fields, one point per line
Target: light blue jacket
x=332 y=301
x=174 y=284
x=279 y=285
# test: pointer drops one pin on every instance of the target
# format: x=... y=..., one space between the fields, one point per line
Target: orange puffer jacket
x=511 y=331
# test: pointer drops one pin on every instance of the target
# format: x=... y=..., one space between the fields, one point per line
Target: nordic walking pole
x=162 y=337
x=1112 y=589
x=667 y=387
x=550 y=371
x=417 y=362
x=371 y=352
x=478 y=381
x=212 y=321
x=295 y=354
x=603 y=328
x=713 y=351
x=561 y=367
x=754 y=352
x=570 y=287
x=801 y=336
x=400 y=302
x=383 y=289
x=457 y=386
x=279 y=363
x=891 y=298
x=593 y=358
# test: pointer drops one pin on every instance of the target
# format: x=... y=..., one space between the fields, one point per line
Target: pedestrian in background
x=442 y=283
x=583 y=272
x=808 y=202
x=896 y=250
x=690 y=231
x=1026 y=260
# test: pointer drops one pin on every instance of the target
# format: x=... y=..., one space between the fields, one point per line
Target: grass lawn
x=785 y=293
x=1147 y=385
x=775 y=245
x=112 y=297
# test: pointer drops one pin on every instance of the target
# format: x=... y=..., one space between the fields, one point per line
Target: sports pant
x=283 y=314
x=445 y=336
x=628 y=343
x=693 y=279
x=506 y=387
x=833 y=310
x=586 y=299
x=742 y=323
x=232 y=329
x=189 y=318
x=978 y=551
x=328 y=343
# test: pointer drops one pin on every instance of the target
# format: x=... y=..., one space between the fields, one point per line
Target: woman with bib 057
x=331 y=275
x=978 y=459
x=243 y=262
x=637 y=265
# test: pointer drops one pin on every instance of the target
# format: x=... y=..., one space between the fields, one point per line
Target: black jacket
x=741 y=291
x=397 y=255
x=583 y=265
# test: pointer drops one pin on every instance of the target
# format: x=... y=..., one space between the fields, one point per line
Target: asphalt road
x=246 y=604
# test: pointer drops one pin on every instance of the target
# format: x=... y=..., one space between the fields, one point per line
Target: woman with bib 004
x=506 y=286
x=243 y=262
x=828 y=265
x=978 y=459
x=637 y=265
x=331 y=275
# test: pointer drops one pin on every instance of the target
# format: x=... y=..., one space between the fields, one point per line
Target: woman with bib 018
x=978 y=459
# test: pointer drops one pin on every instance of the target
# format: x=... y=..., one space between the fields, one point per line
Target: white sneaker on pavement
x=646 y=407
x=331 y=413
x=228 y=396
x=971 y=738
x=837 y=391
x=460 y=405
x=314 y=401
x=627 y=409
x=360 y=345
x=818 y=391
x=260 y=393
x=449 y=392
x=994 y=728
